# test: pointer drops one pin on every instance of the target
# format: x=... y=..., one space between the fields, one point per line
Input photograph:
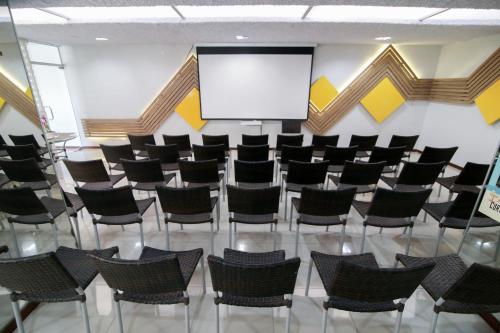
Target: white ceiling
x=287 y=31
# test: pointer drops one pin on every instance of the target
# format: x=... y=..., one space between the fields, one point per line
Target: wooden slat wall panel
x=18 y=99
x=388 y=64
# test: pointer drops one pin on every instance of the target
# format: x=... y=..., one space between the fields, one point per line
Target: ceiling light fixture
x=241 y=37
x=383 y=38
x=243 y=12
x=101 y=38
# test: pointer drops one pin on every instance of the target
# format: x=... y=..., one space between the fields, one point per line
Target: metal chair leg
x=288 y=320
x=363 y=239
x=217 y=208
x=186 y=314
x=325 y=317
x=202 y=265
x=230 y=233
x=157 y=215
x=14 y=238
x=342 y=238
x=434 y=322
x=17 y=316
x=308 y=280
x=286 y=207
x=291 y=212
x=142 y=235
x=296 y=238
x=77 y=231
x=217 y=318
x=398 y=321
x=409 y=241
x=119 y=316
x=212 y=236
x=54 y=233
x=96 y=235
x=85 y=313
x=167 y=237
x=440 y=236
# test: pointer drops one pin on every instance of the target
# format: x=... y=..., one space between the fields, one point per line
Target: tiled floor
x=306 y=312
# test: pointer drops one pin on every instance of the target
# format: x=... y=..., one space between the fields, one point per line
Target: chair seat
x=315 y=219
x=253 y=218
x=4 y=153
x=318 y=153
x=357 y=306
x=213 y=186
x=54 y=206
x=449 y=183
x=359 y=188
x=175 y=297
x=388 y=222
x=80 y=266
x=76 y=203
x=142 y=153
x=437 y=209
x=42 y=185
x=362 y=154
x=254 y=302
x=409 y=188
x=152 y=186
x=185 y=153
x=170 y=166
x=117 y=167
x=391 y=181
x=3 y=179
x=297 y=188
x=361 y=207
x=389 y=169
x=335 y=168
x=113 y=179
x=142 y=206
x=193 y=218
x=253 y=185
x=477 y=222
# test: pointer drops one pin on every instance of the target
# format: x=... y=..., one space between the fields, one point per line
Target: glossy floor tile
x=306 y=312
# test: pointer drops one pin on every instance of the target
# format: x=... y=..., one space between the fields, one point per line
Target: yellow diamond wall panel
x=488 y=103
x=382 y=100
x=189 y=110
x=322 y=93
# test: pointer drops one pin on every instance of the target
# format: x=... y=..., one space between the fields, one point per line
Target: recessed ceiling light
x=101 y=38
x=240 y=37
x=383 y=38
x=117 y=14
x=243 y=11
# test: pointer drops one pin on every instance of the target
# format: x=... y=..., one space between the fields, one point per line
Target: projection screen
x=254 y=82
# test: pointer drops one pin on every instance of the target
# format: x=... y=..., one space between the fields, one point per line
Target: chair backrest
x=22 y=152
x=361 y=173
x=391 y=155
x=414 y=173
x=254 y=140
x=253 y=153
x=212 y=140
x=463 y=205
x=166 y=154
x=92 y=171
x=139 y=142
x=109 y=202
x=199 y=171
x=479 y=285
x=253 y=172
x=289 y=140
x=21 y=140
x=20 y=201
x=185 y=201
x=369 y=284
x=38 y=274
x=22 y=170
x=433 y=154
x=114 y=154
x=253 y=201
x=152 y=276
x=240 y=257
x=2 y=142
x=404 y=141
x=472 y=174
x=306 y=173
x=143 y=171
x=182 y=141
x=209 y=152
x=363 y=142
x=339 y=155
x=276 y=279
x=397 y=204
x=296 y=153
x=321 y=141
x=326 y=202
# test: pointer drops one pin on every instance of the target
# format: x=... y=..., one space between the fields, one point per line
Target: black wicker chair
x=158 y=277
x=456 y=288
x=212 y=140
x=253 y=153
x=114 y=206
x=253 y=280
x=415 y=176
x=252 y=206
x=391 y=156
x=337 y=156
x=21 y=140
x=294 y=153
x=319 y=142
x=254 y=140
x=322 y=208
x=201 y=173
x=139 y=143
x=456 y=214
x=91 y=174
x=213 y=152
x=391 y=209
x=253 y=174
x=74 y=205
x=356 y=283
x=361 y=175
x=22 y=206
x=406 y=141
x=182 y=141
x=188 y=206
x=28 y=173
x=24 y=152
x=3 y=152
x=289 y=140
x=114 y=154
x=471 y=176
x=365 y=144
x=434 y=155
x=53 y=277
x=167 y=154
x=303 y=174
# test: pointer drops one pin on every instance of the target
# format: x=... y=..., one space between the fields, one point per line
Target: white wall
x=12 y=121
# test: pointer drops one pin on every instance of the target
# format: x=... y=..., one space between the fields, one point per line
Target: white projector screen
x=254 y=82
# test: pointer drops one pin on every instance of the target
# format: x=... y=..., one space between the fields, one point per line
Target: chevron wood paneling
x=18 y=99
x=388 y=64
